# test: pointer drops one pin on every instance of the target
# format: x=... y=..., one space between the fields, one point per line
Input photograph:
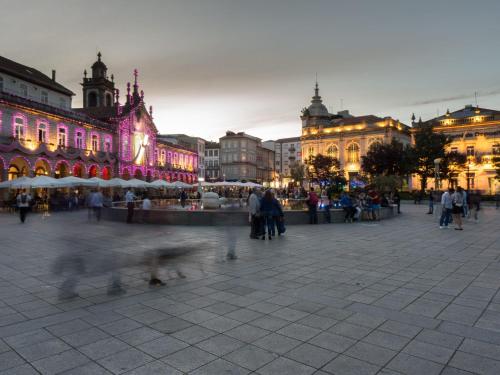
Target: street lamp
x=436 y=173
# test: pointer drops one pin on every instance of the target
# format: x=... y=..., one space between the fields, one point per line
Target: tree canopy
x=326 y=169
x=388 y=159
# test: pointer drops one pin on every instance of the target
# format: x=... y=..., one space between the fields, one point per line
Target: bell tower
x=98 y=90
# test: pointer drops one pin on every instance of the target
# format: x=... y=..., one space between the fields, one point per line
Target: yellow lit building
x=474 y=132
x=344 y=136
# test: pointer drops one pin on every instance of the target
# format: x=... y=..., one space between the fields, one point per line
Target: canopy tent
x=72 y=181
x=18 y=183
x=181 y=185
x=136 y=183
x=44 y=182
x=160 y=184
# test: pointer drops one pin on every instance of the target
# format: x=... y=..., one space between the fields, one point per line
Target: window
x=45 y=97
x=470 y=151
x=1 y=84
x=23 y=90
x=92 y=99
x=163 y=157
x=19 y=128
x=62 y=103
x=206 y=153
x=454 y=150
x=496 y=149
x=353 y=153
x=332 y=151
x=310 y=151
x=95 y=142
x=210 y=153
x=61 y=137
x=79 y=140
x=216 y=152
x=42 y=133
x=107 y=144
x=470 y=180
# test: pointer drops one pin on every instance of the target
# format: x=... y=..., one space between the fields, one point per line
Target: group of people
x=354 y=204
x=457 y=204
x=265 y=213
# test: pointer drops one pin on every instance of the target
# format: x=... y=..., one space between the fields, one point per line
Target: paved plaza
x=394 y=297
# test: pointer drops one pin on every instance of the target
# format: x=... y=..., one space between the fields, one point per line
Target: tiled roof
x=31 y=75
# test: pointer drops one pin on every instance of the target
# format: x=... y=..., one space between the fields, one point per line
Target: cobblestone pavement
x=394 y=297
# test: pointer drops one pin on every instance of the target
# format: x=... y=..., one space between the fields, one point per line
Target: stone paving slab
x=394 y=297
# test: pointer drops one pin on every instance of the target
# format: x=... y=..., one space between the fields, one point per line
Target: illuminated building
x=474 y=132
x=345 y=137
x=41 y=134
x=287 y=151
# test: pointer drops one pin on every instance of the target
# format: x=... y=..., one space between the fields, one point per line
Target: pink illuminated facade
x=104 y=138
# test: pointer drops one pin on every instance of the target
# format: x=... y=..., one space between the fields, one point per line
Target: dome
x=99 y=64
x=317 y=108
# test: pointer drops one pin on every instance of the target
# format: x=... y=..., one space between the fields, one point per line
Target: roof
x=211 y=144
x=31 y=75
x=356 y=120
x=101 y=113
x=290 y=139
x=467 y=111
x=174 y=145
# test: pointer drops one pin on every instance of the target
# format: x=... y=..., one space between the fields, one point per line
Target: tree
x=388 y=159
x=297 y=172
x=428 y=147
x=326 y=171
x=450 y=164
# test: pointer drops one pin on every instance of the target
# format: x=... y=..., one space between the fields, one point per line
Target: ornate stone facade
x=345 y=137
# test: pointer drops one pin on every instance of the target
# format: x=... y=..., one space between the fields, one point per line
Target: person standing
x=312 y=204
x=457 y=207
x=23 y=203
x=396 y=199
x=431 y=202
x=266 y=212
x=465 y=205
x=346 y=203
x=446 y=207
x=253 y=210
x=183 y=198
x=129 y=200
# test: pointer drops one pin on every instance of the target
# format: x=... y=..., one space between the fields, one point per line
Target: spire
x=136 y=86
x=413 y=117
x=85 y=73
x=151 y=111
x=316 y=89
x=128 y=92
x=316 y=98
x=99 y=56
x=112 y=78
x=117 y=96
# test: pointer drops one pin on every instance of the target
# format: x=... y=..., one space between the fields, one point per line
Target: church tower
x=98 y=91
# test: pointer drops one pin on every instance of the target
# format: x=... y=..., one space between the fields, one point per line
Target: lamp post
x=436 y=174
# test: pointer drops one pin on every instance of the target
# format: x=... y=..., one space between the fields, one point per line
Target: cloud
x=457 y=97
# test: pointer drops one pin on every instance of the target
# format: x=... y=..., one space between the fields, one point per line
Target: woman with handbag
x=457 y=210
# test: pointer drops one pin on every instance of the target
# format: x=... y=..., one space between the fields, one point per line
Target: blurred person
x=96 y=202
x=465 y=204
x=129 y=200
x=23 y=201
x=396 y=199
x=312 y=204
x=475 y=204
x=457 y=207
x=446 y=208
x=431 y=202
x=346 y=204
x=254 y=212
x=375 y=204
x=146 y=207
x=183 y=197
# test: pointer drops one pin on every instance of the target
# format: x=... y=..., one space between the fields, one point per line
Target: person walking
x=23 y=200
x=475 y=204
x=146 y=207
x=431 y=202
x=446 y=207
x=278 y=217
x=458 y=207
x=129 y=200
x=183 y=198
x=312 y=204
x=96 y=202
x=253 y=210
x=465 y=204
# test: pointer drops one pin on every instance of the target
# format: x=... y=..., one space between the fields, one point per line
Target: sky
x=208 y=66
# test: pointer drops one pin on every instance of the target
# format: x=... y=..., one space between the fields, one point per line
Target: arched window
x=332 y=151
x=92 y=99
x=353 y=153
x=109 y=100
x=62 y=136
x=95 y=142
x=163 y=157
x=19 y=128
x=42 y=132
x=79 y=143
x=107 y=144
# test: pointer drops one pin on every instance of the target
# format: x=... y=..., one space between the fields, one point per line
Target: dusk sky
x=208 y=66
